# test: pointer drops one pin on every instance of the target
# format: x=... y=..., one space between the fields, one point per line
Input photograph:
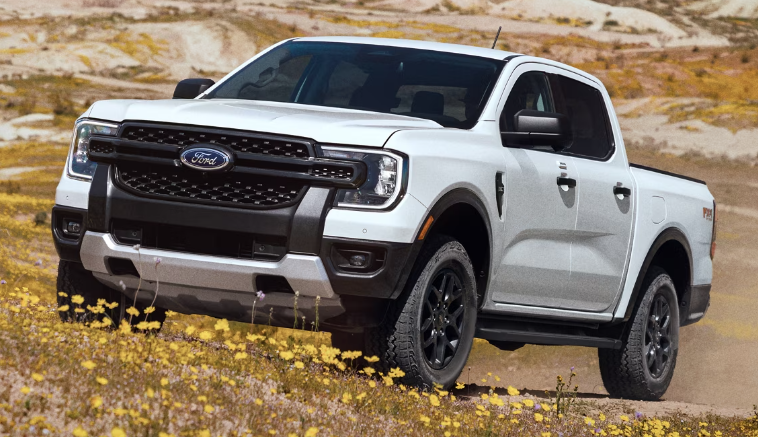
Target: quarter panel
x=684 y=203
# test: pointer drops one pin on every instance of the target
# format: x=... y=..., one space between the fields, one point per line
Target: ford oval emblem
x=206 y=158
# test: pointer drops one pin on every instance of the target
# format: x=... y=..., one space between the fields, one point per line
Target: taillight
x=713 y=234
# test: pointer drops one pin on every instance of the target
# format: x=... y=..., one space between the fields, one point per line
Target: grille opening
x=240 y=142
x=122 y=266
x=201 y=241
x=273 y=283
x=225 y=189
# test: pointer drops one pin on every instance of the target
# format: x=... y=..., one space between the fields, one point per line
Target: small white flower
x=136 y=247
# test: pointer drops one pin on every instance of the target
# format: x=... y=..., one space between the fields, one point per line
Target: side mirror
x=191 y=88
x=538 y=128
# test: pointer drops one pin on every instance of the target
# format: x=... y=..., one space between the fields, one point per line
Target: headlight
x=384 y=178
x=79 y=165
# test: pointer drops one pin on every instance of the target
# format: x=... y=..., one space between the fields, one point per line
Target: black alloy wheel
x=658 y=336
x=442 y=318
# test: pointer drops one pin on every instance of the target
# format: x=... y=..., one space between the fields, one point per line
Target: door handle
x=622 y=191
x=569 y=182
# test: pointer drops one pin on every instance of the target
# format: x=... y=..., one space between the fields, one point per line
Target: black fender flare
x=451 y=198
x=669 y=234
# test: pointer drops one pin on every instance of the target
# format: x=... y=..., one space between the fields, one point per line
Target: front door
x=540 y=214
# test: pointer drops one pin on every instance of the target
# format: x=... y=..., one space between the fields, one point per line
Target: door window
x=531 y=91
x=584 y=107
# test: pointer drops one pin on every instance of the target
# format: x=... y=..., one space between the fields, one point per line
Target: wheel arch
x=460 y=214
x=670 y=251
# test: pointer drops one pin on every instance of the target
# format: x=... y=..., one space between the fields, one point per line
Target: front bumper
x=305 y=273
x=225 y=286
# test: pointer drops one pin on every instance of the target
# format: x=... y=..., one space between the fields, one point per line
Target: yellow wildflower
x=206 y=335
x=80 y=432
x=512 y=391
x=371 y=359
x=258 y=402
x=63 y=308
x=25 y=390
x=208 y=409
x=528 y=403
x=89 y=365
x=299 y=365
x=460 y=386
x=287 y=355
x=96 y=402
x=190 y=329
x=117 y=432
x=538 y=417
x=312 y=431
x=77 y=299
x=434 y=400
x=37 y=377
x=222 y=325
x=133 y=311
x=346 y=397
x=102 y=381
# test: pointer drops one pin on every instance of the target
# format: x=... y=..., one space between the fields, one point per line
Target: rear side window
x=584 y=106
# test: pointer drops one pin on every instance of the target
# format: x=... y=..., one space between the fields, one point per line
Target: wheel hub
x=442 y=318
x=658 y=348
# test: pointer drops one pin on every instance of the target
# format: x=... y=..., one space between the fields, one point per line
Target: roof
x=413 y=44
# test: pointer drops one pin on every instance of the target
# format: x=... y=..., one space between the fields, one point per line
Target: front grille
x=200 y=241
x=186 y=136
x=333 y=172
x=225 y=189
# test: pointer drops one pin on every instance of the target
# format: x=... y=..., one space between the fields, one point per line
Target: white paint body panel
x=684 y=205
x=444 y=159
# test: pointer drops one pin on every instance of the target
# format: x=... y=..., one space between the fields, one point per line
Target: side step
x=550 y=334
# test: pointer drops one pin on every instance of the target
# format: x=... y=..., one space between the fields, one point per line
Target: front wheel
x=429 y=331
x=642 y=369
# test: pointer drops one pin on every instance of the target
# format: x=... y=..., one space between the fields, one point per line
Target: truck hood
x=322 y=124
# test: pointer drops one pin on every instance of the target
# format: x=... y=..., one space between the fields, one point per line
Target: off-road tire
x=74 y=280
x=398 y=340
x=625 y=372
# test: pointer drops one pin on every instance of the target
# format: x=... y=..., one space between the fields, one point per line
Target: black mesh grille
x=333 y=172
x=100 y=147
x=241 y=143
x=231 y=189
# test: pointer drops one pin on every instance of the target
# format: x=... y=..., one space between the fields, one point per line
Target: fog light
x=358 y=260
x=72 y=228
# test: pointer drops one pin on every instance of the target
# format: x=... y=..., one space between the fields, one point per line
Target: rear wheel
x=98 y=300
x=429 y=331
x=642 y=369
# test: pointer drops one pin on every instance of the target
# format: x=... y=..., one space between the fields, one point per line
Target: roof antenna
x=497 y=36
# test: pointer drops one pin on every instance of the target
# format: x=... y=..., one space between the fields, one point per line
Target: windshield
x=448 y=88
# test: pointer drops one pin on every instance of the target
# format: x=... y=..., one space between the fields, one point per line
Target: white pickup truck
x=410 y=196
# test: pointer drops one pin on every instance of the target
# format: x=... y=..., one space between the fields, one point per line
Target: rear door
x=605 y=204
x=540 y=215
